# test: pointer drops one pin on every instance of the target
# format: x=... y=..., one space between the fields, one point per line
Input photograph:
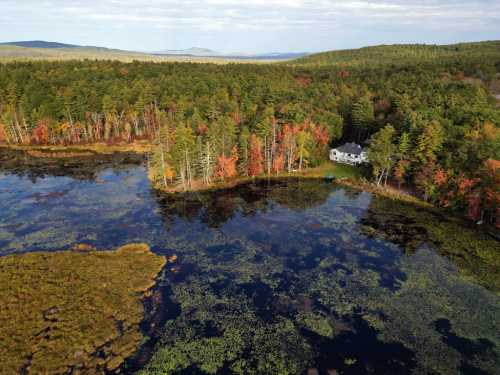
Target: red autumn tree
x=3 y=134
x=255 y=162
x=304 y=81
x=464 y=185
x=382 y=106
x=279 y=161
x=226 y=165
x=473 y=202
x=40 y=134
x=236 y=118
x=202 y=128
x=321 y=135
x=440 y=177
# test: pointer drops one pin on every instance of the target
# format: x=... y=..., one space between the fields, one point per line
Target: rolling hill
x=10 y=52
x=39 y=44
x=401 y=54
x=397 y=54
x=42 y=50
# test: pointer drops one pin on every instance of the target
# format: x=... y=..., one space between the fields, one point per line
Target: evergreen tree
x=183 y=154
x=429 y=143
x=362 y=117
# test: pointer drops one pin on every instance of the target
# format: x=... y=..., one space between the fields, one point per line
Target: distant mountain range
x=39 y=44
x=205 y=52
x=40 y=48
x=193 y=51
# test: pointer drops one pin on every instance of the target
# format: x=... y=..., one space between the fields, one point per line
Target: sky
x=249 y=26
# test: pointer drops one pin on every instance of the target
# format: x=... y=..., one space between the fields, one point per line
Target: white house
x=350 y=153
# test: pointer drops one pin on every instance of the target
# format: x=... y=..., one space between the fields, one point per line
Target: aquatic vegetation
x=75 y=310
x=281 y=276
x=316 y=323
x=359 y=300
x=233 y=340
x=475 y=251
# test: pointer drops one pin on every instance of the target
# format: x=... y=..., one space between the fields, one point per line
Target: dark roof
x=350 y=148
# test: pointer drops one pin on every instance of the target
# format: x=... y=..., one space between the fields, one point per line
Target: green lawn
x=336 y=170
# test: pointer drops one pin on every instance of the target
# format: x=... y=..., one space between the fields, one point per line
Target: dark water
x=271 y=277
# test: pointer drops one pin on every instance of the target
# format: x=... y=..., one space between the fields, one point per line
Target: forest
x=428 y=115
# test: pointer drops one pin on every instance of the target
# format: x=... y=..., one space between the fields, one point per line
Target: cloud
x=218 y=19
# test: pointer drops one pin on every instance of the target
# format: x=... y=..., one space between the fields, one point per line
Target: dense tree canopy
x=210 y=122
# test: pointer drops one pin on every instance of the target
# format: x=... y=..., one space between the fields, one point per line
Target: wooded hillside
x=405 y=54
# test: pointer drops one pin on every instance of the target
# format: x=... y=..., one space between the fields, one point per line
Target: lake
x=284 y=276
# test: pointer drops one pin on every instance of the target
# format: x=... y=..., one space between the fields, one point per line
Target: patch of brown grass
x=73 y=311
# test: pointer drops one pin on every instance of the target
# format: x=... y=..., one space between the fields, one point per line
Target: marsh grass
x=73 y=311
x=61 y=151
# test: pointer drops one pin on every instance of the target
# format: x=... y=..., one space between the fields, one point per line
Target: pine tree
x=429 y=143
x=244 y=140
x=362 y=116
x=266 y=129
x=182 y=153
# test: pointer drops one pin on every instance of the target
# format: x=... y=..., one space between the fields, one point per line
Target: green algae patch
x=73 y=311
x=474 y=251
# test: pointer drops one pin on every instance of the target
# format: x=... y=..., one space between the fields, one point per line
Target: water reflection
x=272 y=276
x=20 y=163
x=215 y=208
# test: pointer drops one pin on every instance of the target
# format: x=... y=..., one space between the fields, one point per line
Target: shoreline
x=354 y=183
x=70 y=151
x=342 y=174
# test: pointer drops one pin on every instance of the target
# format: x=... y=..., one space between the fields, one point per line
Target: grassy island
x=73 y=311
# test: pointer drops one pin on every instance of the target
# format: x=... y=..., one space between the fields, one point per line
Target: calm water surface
x=273 y=277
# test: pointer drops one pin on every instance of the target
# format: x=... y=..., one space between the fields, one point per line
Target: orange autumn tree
x=400 y=171
x=473 y=206
x=440 y=177
x=482 y=194
x=441 y=182
x=279 y=161
x=321 y=135
x=255 y=162
x=169 y=173
x=3 y=133
x=202 y=129
x=40 y=134
x=226 y=165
